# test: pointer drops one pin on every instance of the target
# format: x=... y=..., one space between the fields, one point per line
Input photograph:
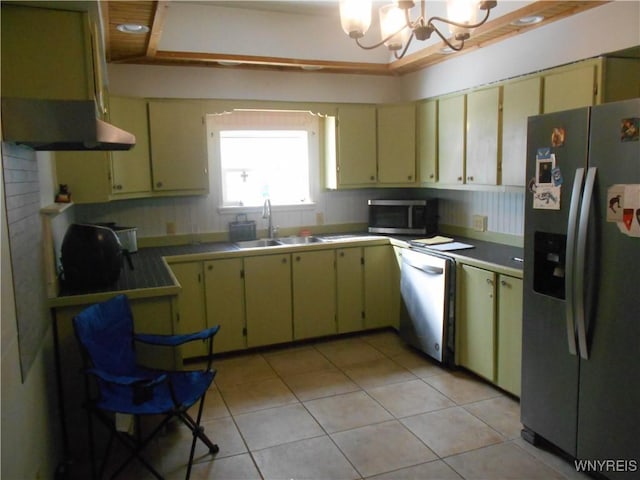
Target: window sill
x=274 y=208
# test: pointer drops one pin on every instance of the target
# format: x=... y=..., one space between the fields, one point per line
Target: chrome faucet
x=266 y=213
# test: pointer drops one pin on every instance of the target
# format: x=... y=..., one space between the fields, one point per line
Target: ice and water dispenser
x=549 y=260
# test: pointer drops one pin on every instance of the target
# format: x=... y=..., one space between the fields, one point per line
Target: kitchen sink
x=299 y=240
x=259 y=243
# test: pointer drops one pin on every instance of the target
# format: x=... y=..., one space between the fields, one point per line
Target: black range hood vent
x=52 y=125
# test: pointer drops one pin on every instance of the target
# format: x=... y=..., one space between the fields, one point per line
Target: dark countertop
x=150 y=271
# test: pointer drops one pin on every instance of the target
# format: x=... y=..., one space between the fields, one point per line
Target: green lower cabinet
x=377 y=286
x=509 y=353
x=349 y=289
x=476 y=320
x=191 y=316
x=224 y=295
x=267 y=283
x=314 y=294
x=489 y=326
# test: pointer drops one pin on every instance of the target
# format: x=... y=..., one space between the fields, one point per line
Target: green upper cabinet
x=570 y=88
x=396 y=144
x=178 y=146
x=131 y=172
x=427 y=141
x=483 y=124
x=314 y=294
x=46 y=54
x=451 y=139
x=356 y=145
x=520 y=99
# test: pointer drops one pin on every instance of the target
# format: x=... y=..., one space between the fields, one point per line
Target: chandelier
x=398 y=30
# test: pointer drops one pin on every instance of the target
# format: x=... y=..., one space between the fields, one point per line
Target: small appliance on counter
x=128 y=236
x=91 y=257
x=404 y=217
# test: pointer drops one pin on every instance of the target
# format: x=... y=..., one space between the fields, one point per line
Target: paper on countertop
x=433 y=240
x=444 y=247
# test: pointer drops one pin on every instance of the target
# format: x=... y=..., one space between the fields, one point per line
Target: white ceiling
x=306 y=30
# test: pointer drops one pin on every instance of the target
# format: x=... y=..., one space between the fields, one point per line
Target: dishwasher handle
x=431 y=270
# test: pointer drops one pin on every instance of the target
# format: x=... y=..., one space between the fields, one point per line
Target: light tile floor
x=363 y=407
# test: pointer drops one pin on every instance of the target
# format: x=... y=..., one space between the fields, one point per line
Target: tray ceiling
x=286 y=35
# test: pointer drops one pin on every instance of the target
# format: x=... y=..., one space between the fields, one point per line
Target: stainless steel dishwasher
x=427 y=284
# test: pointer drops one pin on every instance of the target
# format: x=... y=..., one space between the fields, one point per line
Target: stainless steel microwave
x=404 y=217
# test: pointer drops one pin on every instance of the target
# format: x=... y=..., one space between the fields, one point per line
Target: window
x=265 y=154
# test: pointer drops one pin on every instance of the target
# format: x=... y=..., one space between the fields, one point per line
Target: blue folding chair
x=105 y=333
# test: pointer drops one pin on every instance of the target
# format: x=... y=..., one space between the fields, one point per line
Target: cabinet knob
x=372 y=177
x=459 y=179
x=284 y=260
x=409 y=177
x=432 y=176
x=505 y=283
x=489 y=281
x=342 y=254
x=298 y=258
x=470 y=178
x=210 y=267
x=159 y=184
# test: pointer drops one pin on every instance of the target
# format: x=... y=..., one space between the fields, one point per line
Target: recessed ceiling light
x=531 y=20
x=311 y=67
x=132 y=28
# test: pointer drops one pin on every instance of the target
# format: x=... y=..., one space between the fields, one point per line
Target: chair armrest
x=125 y=380
x=175 y=340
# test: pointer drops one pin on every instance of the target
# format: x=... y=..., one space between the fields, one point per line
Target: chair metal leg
x=198 y=432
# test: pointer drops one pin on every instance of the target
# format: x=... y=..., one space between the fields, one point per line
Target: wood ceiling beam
x=159 y=17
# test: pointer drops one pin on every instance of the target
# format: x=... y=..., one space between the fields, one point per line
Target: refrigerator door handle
x=581 y=246
x=569 y=276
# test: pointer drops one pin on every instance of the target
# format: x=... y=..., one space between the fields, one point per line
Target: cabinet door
x=350 y=289
x=451 y=139
x=46 y=53
x=397 y=143
x=519 y=101
x=356 y=137
x=87 y=174
x=190 y=306
x=570 y=89
x=224 y=294
x=131 y=169
x=314 y=294
x=476 y=320
x=268 y=299
x=483 y=115
x=377 y=286
x=178 y=146
x=427 y=141
x=509 y=333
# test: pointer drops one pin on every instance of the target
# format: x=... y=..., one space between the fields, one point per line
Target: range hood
x=60 y=125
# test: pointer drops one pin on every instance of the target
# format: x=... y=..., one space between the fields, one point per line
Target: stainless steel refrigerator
x=581 y=319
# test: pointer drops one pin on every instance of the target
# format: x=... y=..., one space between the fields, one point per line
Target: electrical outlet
x=480 y=223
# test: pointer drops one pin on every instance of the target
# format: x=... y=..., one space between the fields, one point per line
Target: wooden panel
x=569 y=89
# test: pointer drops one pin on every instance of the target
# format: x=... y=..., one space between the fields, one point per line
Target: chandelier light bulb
x=393 y=25
x=355 y=17
x=464 y=12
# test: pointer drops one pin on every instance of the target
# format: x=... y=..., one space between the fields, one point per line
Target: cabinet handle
x=117 y=187
x=470 y=178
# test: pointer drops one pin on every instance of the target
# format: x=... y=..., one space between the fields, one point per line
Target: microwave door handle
x=410 y=216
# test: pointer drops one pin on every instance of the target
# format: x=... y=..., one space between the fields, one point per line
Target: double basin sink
x=277 y=242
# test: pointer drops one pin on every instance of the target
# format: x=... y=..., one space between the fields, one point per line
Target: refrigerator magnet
x=544 y=166
x=615 y=203
x=629 y=130
x=547 y=197
x=630 y=208
x=557 y=136
x=556 y=177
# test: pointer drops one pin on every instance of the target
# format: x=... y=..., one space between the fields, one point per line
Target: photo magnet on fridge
x=615 y=203
x=546 y=192
x=629 y=130
x=629 y=224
